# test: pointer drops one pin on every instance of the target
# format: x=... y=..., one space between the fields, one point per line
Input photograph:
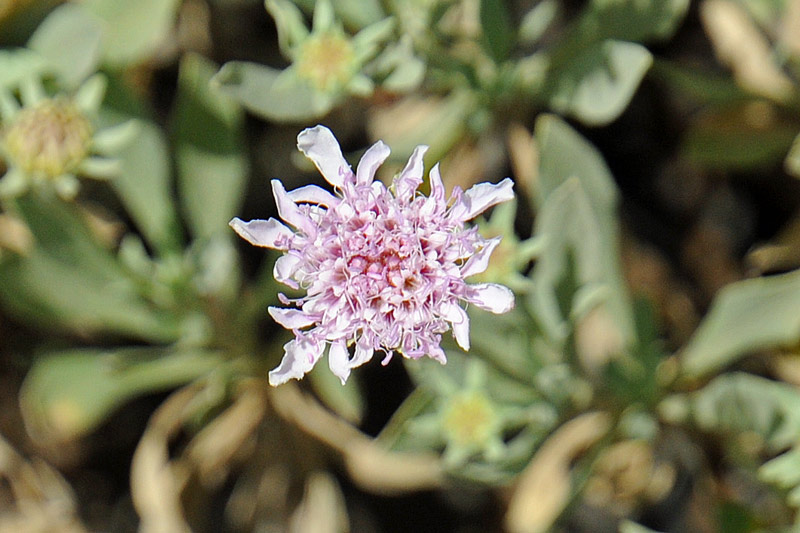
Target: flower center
x=383 y=261
x=50 y=139
x=385 y=267
x=468 y=419
x=327 y=61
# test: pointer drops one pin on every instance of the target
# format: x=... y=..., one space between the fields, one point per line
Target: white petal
x=491 y=297
x=320 y=146
x=436 y=352
x=313 y=195
x=411 y=176
x=481 y=197
x=290 y=318
x=338 y=360
x=284 y=269
x=436 y=201
x=370 y=161
x=300 y=356
x=478 y=262
x=265 y=233
x=460 y=321
x=363 y=353
x=437 y=187
x=289 y=211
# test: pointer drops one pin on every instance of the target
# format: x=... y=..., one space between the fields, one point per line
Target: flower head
x=383 y=268
x=328 y=63
x=469 y=419
x=50 y=138
x=48 y=141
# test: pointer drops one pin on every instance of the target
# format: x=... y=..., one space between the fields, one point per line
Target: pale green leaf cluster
x=153 y=286
x=591 y=72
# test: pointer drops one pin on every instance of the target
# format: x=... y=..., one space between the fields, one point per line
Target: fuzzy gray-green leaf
x=70 y=39
x=745 y=316
x=272 y=94
x=209 y=145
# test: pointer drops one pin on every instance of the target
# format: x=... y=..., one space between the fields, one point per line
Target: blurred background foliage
x=646 y=381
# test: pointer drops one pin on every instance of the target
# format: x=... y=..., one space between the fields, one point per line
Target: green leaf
x=209 y=146
x=635 y=379
x=498 y=33
x=743 y=137
x=70 y=39
x=60 y=231
x=403 y=71
x=737 y=517
x=634 y=20
x=632 y=527
x=289 y=22
x=768 y=13
x=792 y=161
x=566 y=154
x=358 y=14
x=53 y=294
x=355 y=14
x=395 y=435
x=134 y=30
x=597 y=84
x=345 y=400
x=578 y=224
x=67 y=394
x=68 y=281
x=144 y=186
x=699 y=85
x=517 y=455
x=272 y=94
x=783 y=470
x=145 y=182
x=738 y=402
x=745 y=316
x=516 y=356
x=217 y=270
x=537 y=20
x=19 y=64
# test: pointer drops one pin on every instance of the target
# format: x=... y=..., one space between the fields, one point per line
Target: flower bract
x=383 y=268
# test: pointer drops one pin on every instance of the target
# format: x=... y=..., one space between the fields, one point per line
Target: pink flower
x=383 y=268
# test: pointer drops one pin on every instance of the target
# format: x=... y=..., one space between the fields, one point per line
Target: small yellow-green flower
x=328 y=64
x=326 y=59
x=470 y=421
x=467 y=420
x=49 y=141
